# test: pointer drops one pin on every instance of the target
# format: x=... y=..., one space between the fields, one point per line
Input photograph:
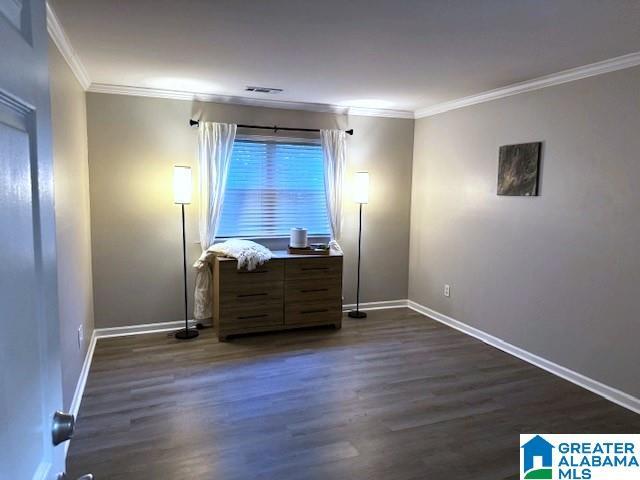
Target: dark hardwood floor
x=394 y=396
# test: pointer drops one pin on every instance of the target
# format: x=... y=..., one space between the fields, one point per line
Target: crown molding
x=61 y=40
x=253 y=102
x=380 y=112
x=59 y=37
x=570 y=75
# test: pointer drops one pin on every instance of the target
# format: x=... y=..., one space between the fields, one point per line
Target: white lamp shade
x=181 y=184
x=361 y=187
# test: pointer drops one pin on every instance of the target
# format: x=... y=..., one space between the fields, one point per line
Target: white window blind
x=272 y=187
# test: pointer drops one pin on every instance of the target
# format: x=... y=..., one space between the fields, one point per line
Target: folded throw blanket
x=249 y=254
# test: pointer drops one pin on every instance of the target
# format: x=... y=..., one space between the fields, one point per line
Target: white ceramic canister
x=298 y=238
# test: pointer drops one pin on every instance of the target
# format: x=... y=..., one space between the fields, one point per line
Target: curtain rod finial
x=349 y=132
x=194 y=123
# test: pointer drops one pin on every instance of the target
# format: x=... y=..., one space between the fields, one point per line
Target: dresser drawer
x=313 y=313
x=235 y=319
x=303 y=291
x=251 y=294
x=231 y=279
x=312 y=268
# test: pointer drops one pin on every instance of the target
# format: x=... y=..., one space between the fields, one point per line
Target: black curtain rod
x=275 y=128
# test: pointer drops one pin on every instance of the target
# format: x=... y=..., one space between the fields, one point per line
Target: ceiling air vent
x=263 y=90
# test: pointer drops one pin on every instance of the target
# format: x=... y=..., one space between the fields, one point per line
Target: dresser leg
x=337 y=326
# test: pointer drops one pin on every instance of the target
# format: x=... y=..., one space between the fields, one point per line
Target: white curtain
x=334 y=148
x=215 y=144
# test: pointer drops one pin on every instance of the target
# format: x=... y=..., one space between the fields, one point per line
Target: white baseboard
x=376 y=305
x=140 y=329
x=81 y=384
x=610 y=393
x=84 y=374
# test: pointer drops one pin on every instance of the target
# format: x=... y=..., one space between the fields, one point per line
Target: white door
x=30 y=383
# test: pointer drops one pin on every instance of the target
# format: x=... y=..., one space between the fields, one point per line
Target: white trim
x=565 y=76
x=84 y=374
x=253 y=102
x=570 y=75
x=610 y=393
x=61 y=40
x=82 y=383
x=376 y=305
x=140 y=329
x=380 y=112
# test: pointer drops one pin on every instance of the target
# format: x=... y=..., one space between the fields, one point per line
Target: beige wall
x=557 y=275
x=73 y=233
x=136 y=237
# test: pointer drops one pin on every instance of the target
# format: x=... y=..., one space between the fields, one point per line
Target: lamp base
x=186 y=334
x=357 y=314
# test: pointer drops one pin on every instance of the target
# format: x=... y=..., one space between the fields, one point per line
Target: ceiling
x=394 y=54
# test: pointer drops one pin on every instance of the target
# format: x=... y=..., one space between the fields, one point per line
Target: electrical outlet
x=80 y=336
x=447 y=290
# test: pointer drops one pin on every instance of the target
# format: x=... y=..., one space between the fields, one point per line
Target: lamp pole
x=187 y=333
x=361 y=196
x=182 y=192
x=357 y=313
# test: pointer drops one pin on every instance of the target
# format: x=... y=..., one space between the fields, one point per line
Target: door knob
x=63 y=426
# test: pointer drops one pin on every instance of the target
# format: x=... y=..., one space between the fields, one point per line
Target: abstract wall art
x=518 y=169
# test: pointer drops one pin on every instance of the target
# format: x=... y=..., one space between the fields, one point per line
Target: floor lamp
x=182 y=197
x=361 y=196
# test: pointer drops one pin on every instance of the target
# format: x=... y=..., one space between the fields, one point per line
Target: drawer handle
x=257 y=271
x=307 y=269
x=247 y=317
x=252 y=295
x=321 y=310
x=315 y=290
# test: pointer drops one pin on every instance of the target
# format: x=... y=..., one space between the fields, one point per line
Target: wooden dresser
x=288 y=291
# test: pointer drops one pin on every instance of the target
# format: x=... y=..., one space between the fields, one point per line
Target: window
x=273 y=186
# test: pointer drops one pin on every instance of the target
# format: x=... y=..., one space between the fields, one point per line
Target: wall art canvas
x=518 y=169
